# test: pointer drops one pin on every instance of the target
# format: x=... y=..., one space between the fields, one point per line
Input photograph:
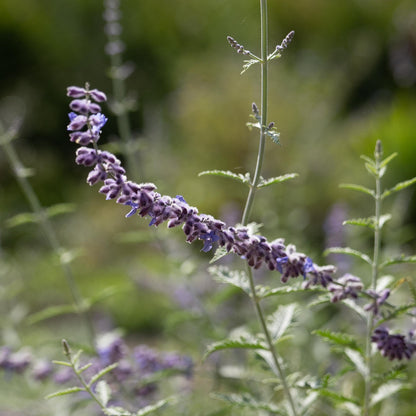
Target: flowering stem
x=21 y=177
x=251 y=196
x=374 y=276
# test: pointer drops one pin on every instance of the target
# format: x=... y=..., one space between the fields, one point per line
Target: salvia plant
x=368 y=361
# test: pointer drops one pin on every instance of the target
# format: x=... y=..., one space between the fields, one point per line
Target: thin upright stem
x=250 y=200
x=46 y=225
x=374 y=277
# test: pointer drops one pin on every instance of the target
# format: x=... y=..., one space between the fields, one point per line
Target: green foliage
x=339 y=338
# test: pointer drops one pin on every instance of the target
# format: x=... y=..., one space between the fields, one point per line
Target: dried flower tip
x=255 y=109
x=239 y=48
x=379 y=149
x=286 y=41
x=67 y=350
x=271 y=125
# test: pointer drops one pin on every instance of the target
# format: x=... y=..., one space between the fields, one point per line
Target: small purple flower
x=378 y=300
x=42 y=369
x=347 y=286
x=147 y=360
x=110 y=348
x=209 y=239
x=395 y=347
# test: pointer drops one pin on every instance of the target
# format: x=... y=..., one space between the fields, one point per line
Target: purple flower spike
x=395 y=347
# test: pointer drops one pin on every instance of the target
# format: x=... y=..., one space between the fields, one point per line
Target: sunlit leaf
x=349 y=251
x=279 y=322
x=398 y=260
x=50 y=312
x=21 y=219
x=278 y=179
x=102 y=373
x=362 y=222
x=336 y=397
x=247 y=342
x=358 y=188
x=156 y=406
x=247 y=401
x=358 y=360
x=59 y=209
x=400 y=186
x=64 y=392
x=236 y=278
x=386 y=390
x=371 y=169
x=245 y=179
x=220 y=252
x=103 y=391
x=338 y=338
x=388 y=159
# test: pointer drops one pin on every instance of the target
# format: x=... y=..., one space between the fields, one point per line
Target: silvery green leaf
x=279 y=321
x=358 y=360
x=220 y=252
x=116 y=411
x=386 y=390
x=103 y=391
x=358 y=188
x=156 y=406
x=388 y=159
x=246 y=400
x=64 y=392
x=21 y=219
x=352 y=408
x=236 y=278
x=243 y=342
x=338 y=338
x=398 y=187
x=349 y=251
x=102 y=372
x=362 y=222
x=277 y=179
x=245 y=179
x=398 y=260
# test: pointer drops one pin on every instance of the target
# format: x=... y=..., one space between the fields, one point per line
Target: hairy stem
x=374 y=276
x=46 y=225
x=251 y=196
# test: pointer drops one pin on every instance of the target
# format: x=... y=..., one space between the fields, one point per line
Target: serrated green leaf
x=386 y=390
x=248 y=63
x=358 y=361
x=21 y=219
x=273 y=134
x=103 y=391
x=278 y=179
x=362 y=222
x=64 y=392
x=400 y=186
x=279 y=322
x=153 y=407
x=352 y=408
x=388 y=159
x=265 y=292
x=336 y=397
x=247 y=401
x=116 y=411
x=50 y=312
x=245 y=179
x=236 y=278
x=66 y=364
x=220 y=252
x=249 y=343
x=84 y=367
x=339 y=338
x=102 y=373
x=358 y=188
x=398 y=260
x=350 y=252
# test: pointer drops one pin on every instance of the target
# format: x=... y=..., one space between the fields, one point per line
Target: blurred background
x=347 y=79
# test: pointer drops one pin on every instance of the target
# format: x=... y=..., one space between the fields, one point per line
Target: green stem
x=251 y=196
x=374 y=276
x=46 y=225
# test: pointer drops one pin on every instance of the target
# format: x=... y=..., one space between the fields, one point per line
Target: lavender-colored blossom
x=395 y=347
x=42 y=369
x=378 y=300
x=147 y=360
x=347 y=286
x=146 y=202
x=110 y=348
x=63 y=375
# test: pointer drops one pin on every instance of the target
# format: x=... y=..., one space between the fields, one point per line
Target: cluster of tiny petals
x=395 y=347
x=378 y=300
x=286 y=41
x=239 y=48
x=144 y=200
x=347 y=286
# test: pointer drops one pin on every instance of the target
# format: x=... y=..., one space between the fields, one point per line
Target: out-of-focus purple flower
x=19 y=360
x=147 y=359
x=395 y=347
x=110 y=348
x=42 y=369
x=63 y=375
x=347 y=286
x=182 y=363
x=378 y=300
